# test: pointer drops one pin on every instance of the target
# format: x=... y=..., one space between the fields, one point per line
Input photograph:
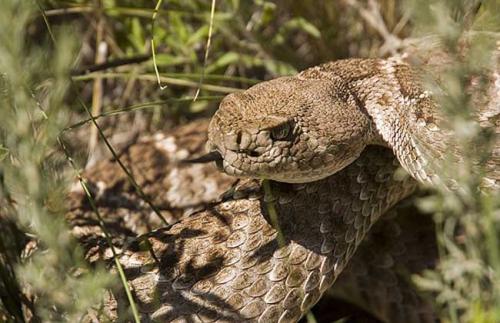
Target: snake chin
x=231 y=170
x=292 y=176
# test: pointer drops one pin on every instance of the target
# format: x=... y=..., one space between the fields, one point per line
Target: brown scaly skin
x=378 y=278
x=126 y=218
x=226 y=264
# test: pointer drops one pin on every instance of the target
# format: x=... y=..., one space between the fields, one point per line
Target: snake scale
x=227 y=262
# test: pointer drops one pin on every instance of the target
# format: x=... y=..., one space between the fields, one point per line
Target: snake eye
x=281 y=132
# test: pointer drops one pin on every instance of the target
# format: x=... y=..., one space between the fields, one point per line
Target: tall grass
x=466 y=283
x=33 y=88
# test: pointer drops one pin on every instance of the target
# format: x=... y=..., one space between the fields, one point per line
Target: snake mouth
x=249 y=152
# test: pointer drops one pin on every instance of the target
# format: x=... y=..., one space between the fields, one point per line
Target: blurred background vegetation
x=99 y=56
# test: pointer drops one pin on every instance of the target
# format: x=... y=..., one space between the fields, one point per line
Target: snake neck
x=403 y=115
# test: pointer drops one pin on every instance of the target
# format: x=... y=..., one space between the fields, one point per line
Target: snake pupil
x=280 y=132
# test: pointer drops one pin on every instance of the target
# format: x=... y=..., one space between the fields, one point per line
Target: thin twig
x=155 y=78
x=111 y=64
x=135 y=108
x=153 y=50
x=207 y=48
x=269 y=200
x=126 y=11
x=101 y=51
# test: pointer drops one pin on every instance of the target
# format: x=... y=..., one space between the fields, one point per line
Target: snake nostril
x=238 y=138
x=241 y=142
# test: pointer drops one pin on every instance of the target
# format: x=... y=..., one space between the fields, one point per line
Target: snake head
x=289 y=129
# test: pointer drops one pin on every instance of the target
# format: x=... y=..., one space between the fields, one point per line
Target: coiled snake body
x=314 y=130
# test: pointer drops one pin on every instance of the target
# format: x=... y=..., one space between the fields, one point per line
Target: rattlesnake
x=375 y=279
x=225 y=263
